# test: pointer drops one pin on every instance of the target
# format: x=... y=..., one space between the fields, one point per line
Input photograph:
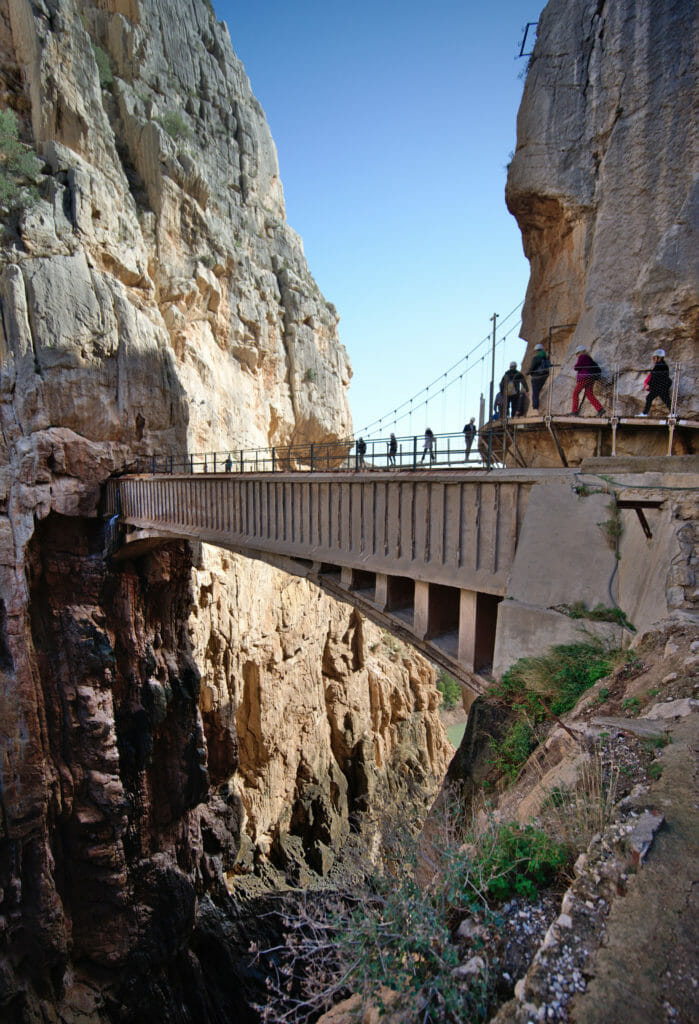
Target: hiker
x=588 y=372
x=361 y=452
x=497 y=406
x=469 y=434
x=658 y=382
x=392 y=449
x=512 y=388
x=538 y=371
x=428 y=446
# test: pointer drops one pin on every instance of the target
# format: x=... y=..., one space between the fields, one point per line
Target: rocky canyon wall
x=604 y=186
x=171 y=720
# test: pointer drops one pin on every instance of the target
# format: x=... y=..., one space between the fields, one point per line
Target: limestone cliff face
x=604 y=186
x=168 y=721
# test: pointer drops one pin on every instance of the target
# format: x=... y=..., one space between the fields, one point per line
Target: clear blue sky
x=394 y=122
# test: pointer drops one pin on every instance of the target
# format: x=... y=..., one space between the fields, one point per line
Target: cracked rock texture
x=172 y=719
x=606 y=194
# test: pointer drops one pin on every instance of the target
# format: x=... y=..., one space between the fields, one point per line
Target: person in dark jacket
x=512 y=388
x=658 y=381
x=585 y=367
x=392 y=449
x=538 y=371
x=361 y=452
x=469 y=434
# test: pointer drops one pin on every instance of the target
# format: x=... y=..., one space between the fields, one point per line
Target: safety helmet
x=660 y=352
x=580 y=348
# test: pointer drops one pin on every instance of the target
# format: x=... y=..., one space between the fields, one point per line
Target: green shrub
x=520 y=859
x=19 y=165
x=104 y=68
x=175 y=125
x=600 y=613
x=553 y=682
x=541 y=688
x=653 y=743
x=449 y=689
x=510 y=754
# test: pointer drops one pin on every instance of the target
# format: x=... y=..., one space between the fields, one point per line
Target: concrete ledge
x=526 y=631
x=641 y=464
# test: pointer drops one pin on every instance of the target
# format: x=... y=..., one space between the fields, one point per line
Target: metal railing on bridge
x=619 y=390
x=411 y=452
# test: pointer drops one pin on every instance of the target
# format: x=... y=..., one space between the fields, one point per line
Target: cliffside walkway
x=428 y=555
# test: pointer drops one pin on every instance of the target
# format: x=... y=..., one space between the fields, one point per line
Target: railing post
x=312 y=454
x=171 y=465
x=674 y=397
x=274 y=454
x=214 y=462
x=242 y=461
x=415 y=451
x=152 y=465
x=191 y=463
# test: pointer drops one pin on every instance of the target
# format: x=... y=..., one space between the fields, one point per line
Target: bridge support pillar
x=421 y=609
x=467 y=628
x=346 y=577
x=381 y=592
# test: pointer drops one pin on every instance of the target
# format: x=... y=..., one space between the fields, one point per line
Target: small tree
x=449 y=689
x=19 y=165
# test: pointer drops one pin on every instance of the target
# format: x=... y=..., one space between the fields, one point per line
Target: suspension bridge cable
x=395 y=419
x=391 y=414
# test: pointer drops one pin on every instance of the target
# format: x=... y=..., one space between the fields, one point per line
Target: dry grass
x=575 y=814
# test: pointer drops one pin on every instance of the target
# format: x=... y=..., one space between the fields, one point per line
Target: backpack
x=540 y=365
x=593 y=370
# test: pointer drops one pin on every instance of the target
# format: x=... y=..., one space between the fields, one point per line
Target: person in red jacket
x=588 y=372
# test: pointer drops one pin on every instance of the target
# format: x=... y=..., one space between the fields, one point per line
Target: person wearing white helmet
x=658 y=381
x=538 y=371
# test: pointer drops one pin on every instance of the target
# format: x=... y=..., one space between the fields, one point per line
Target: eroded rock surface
x=605 y=193
x=165 y=721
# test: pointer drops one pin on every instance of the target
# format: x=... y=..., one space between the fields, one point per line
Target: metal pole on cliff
x=494 y=318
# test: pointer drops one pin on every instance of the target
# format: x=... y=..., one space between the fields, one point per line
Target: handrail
x=447 y=450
